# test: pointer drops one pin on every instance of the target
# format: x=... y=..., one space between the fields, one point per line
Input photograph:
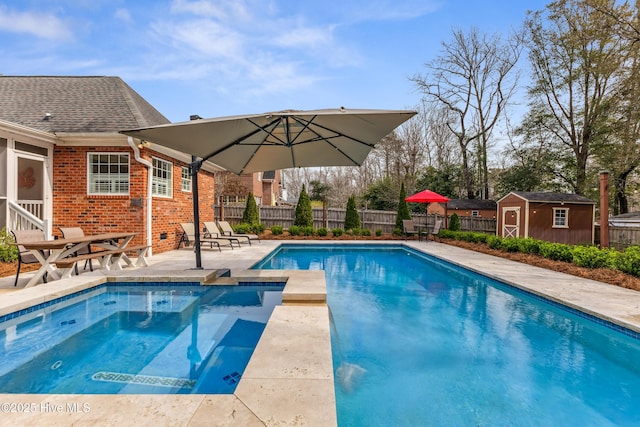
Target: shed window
x=475 y=214
x=560 y=217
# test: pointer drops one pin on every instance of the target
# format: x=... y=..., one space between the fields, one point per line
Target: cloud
x=40 y=25
x=123 y=15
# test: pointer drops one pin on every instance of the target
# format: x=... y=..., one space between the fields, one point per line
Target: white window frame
x=186 y=182
x=475 y=214
x=107 y=183
x=162 y=186
x=556 y=211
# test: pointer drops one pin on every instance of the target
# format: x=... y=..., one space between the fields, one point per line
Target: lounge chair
x=409 y=229
x=25 y=256
x=436 y=230
x=227 y=230
x=71 y=232
x=189 y=238
x=212 y=231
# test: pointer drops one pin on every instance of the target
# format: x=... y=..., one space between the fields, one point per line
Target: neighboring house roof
x=473 y=204
x=628 y=215
x=75 y=104
x=551 y=197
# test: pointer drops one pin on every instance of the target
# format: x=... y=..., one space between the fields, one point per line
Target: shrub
x=322 y=232
x=378 y=232
x=351 y=218
x=304 y=212
x=251 y=214
x=454 y=222
x=258 y=228
x=397 y=231
x=8 y=252
x=628 y=261
x=447 y=234
x=494 y=242
x=365 y=232
x=510 y=245
x=479 y=237
x=556 y=251
x=529 y=245
x=592 y=256
x=308 y=231
x=295 y=230
x=277 y=230
x=337 y=232
x=242 y=228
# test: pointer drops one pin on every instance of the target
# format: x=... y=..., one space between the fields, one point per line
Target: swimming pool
x=154 y=338
x=417 y=341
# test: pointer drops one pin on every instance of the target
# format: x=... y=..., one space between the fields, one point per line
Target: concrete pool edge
x=288 y=381
x=607 y=301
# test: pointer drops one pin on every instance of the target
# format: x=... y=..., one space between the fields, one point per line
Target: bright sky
x=226 y=57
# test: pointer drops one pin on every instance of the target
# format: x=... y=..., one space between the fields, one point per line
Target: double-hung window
x=560 y=217
x=108 y=173
x=186 y=179
x=162 y=182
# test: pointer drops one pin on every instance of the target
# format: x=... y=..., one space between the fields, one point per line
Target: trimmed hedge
x=579 y=255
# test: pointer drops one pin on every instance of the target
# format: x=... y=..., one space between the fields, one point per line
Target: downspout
x=149 y=166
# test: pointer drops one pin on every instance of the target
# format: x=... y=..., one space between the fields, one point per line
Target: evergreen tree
x=403 y=208
x=454 y=222
x=351 y=218
x=251 y=214
x=304 y=213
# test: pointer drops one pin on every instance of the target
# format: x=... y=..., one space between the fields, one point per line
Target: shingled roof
x=74 y=104
x=473 y=204
x=553 y=197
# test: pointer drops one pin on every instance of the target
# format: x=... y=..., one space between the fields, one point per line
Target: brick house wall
x=73 y=207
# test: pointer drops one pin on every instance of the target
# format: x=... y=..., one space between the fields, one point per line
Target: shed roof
x=75 y=104
x=552 y=197
x=476 y=204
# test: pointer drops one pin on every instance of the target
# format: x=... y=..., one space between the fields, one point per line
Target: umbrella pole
x=195 y=168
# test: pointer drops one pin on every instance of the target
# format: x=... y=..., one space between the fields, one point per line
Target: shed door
x=510 y=221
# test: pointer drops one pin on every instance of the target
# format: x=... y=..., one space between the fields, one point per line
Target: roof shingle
x=75 y=104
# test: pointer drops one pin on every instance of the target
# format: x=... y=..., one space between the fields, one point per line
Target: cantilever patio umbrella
x=428 y=196
x=277 y=140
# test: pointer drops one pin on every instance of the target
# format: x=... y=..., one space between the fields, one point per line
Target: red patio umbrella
x=428 y=196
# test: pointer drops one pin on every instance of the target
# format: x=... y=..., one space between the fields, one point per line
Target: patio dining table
x=62 y=248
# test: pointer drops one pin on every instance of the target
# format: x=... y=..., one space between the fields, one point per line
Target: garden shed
x=553 y=217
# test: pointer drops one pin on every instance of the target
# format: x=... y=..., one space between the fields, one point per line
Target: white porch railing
x=26 y=215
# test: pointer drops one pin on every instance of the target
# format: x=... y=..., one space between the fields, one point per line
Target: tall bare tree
x=576 y=55
x=474 y=78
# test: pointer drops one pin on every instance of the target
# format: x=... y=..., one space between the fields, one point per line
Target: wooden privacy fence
x=373 y=220
x=620 y=237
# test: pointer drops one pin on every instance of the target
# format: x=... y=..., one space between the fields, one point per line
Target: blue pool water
x=417 y=341
x=121 y=339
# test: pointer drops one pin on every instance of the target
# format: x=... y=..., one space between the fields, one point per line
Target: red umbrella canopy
x=427 y=196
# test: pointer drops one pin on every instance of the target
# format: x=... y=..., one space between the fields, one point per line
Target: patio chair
x=228 y=231
x=212 y=231
x=189 y=238
x=409 y=229
x=25 y=256
x=436 y=230
x=71 y=232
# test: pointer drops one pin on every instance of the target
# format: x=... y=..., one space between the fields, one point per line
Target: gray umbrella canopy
x=271 y=141
x=279 y=140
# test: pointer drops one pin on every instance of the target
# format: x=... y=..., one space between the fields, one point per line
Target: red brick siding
x=72 y=207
